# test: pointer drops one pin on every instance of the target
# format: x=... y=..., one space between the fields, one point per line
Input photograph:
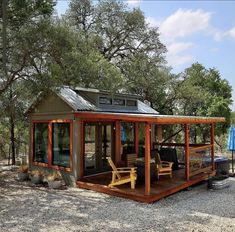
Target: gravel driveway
x=24 y=207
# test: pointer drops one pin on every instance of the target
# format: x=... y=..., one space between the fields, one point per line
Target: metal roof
x=91 y=90
x=77 y=102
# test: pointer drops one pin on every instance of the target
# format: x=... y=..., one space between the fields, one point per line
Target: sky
x=193 y=31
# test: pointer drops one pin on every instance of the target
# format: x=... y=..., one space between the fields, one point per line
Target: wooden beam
x=71 y=146
x=159 y=133
x=147 y=159
x=32 y=155
x=50 y=144
x=159 y=119
x=153 y=137
x=117 y=142
x=186 y=150
x=213 y=146
x=82 y=146
x=137 y=138
x=182 y=144
x=159 y=136
x=201 y=148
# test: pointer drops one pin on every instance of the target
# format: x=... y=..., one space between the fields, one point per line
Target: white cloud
x=133 y=2
x=231 y=32
x=153 y=22
x=179 y=47
x=176 y=53
x=184 y=23
x=181 y=24
x=178 y=60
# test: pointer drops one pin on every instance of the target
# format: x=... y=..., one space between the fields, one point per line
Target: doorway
x=98 y=145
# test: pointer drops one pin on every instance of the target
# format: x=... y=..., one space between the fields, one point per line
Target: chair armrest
x=167 y=164
x=127 y=168
x=124 y=171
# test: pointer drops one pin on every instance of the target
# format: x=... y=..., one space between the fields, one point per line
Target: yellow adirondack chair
x=163 y=167
x=117 y=175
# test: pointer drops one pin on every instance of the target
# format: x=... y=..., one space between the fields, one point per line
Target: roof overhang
x=151 y=118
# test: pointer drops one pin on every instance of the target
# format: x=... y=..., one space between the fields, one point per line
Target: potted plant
x=36 y=177
x=54 y=181
x=23 y=174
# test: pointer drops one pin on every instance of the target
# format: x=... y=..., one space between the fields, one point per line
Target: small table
x=140 y=164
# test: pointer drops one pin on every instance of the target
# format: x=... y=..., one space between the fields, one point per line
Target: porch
x=102 y=137
x=161 y=188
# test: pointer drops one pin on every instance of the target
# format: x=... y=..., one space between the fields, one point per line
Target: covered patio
x=197 y=164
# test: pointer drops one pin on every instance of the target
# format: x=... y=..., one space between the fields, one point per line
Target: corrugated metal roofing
x=79 y=103
x=74 y=100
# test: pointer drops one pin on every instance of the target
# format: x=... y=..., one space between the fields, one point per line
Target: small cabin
x=77 y=131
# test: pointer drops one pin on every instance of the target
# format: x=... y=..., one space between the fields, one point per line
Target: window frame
x=109 y=100
x=128 y=101
x=116 y=100
x=50 y=136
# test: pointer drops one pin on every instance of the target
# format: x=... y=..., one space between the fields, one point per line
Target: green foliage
x=103 y=45
x=202 y=92
x=118 y=32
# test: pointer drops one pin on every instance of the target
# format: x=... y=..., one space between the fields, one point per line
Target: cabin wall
x=69 y=177
x=51 y=104
x=52 y=109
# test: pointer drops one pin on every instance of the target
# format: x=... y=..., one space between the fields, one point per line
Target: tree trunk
x=12 y=127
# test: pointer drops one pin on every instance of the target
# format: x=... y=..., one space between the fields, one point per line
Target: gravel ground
x=24 y=207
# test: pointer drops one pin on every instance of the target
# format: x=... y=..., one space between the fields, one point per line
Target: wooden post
x=137 y=138
x=50 y=144
x=153 y=138
x=186 y=150
x=32 y=144
x=212 y=146
x=82 y=148
x=117 y=142
x=147 y=159
x=159 y=135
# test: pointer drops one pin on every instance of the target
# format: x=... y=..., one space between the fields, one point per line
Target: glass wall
x=90 y=147
x=127 y=139
x=141 y=139
x=98 y=146
x=41 y=142
x=61 y=144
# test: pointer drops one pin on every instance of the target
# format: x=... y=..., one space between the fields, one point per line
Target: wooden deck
x=159 y=189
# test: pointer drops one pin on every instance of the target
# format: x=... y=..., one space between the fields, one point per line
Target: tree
x=144 y=77
x=16 y=16
x=203 y=92
x=116 y=30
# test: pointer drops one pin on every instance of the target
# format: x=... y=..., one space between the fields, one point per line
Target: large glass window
x=90 y=146
x=61 y=144
x=141 y=139
x=41 y=142
x=127 y=138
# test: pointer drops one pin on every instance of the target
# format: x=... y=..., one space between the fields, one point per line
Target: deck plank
x=159 y=189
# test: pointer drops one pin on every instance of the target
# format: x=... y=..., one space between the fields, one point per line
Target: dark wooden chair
x=131 y=159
